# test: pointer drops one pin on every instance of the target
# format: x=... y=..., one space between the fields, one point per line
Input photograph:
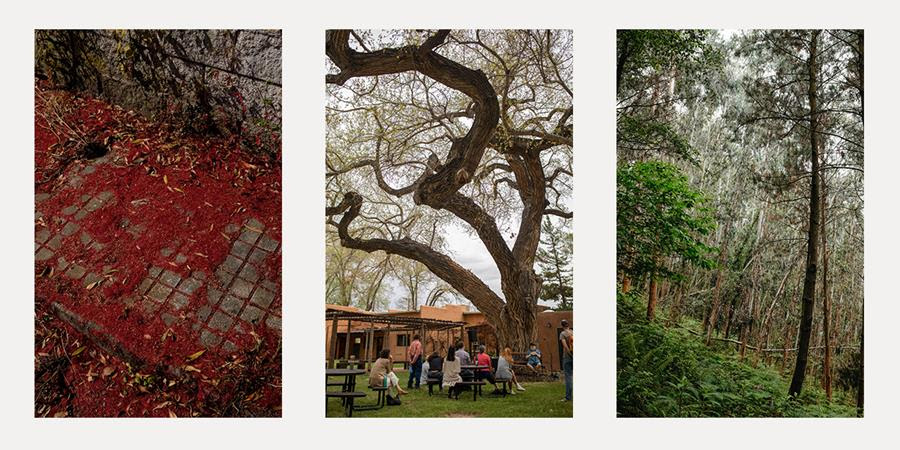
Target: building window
x=402 y=340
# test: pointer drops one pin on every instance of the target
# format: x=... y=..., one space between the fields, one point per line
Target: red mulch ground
x=174 y=187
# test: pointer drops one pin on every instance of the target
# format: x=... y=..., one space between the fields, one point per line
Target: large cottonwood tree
x=427 y=129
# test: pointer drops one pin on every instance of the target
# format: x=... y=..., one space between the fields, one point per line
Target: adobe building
x=354 y=334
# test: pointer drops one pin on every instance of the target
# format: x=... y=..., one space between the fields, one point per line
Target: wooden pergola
x=394 y=324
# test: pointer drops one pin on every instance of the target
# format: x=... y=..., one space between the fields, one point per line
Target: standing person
x=382 y=373
x=414 y=358
x=534 y=358
x=565 y=338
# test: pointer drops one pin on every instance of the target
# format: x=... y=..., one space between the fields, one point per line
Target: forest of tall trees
x=739 y=222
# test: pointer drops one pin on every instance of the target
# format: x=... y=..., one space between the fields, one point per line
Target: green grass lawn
x=538 y=400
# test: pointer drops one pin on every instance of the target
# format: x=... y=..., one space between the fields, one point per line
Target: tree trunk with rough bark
x=812 y=254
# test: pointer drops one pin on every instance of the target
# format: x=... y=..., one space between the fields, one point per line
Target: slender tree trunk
x=859 y=391
x=714 y=312
x=651 y=301
x=826 y=302
x=626 y=283
x=812 y=256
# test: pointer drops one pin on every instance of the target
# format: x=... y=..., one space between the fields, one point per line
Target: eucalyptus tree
x=431 y=128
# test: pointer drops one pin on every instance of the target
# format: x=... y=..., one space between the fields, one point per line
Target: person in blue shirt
x=534 y=358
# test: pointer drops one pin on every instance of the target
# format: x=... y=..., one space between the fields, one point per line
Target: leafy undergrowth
x=540 y=399
x=668 y=372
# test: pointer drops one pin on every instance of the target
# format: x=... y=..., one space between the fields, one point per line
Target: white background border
x=594 y=425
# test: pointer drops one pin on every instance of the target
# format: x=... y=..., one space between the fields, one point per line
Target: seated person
x=534 y=358
x=450 y=373
x=423 y=377
x=464 y=360
x=382 y=373
x=505 y=372
x=487 y=373
x=435 y=366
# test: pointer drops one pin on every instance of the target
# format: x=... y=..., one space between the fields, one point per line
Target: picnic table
x=348 y=386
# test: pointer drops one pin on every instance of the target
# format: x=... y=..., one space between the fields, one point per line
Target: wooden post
x=347 y=343
x=369 y=343
x=333 y=349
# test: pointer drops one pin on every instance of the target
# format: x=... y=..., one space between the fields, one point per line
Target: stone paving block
x=267 y=243
x=159 y=292
x=142 y=288
x=224 y=276
x=41 y=197
x=269 y=285
x=43 y=254
x=85 y=238
x=253 y=223
x=203 y=313
x=69 y=210
x=262 y=297
x=249 y=236
x=91 y=278
x=55 y=242
x=232 y=264
x=213 y=296
x=75 y=271
x=257 y=256
x=85 y=197
x=241 y=249
x=220 y=321
x=81 y=214
x=37 y=247
x=42 y=235
x=105 y=195
x=94 y=204
x=180 y=258
x=189 y=285
x=70 y=228
x=167 y=318
x=75 y=181
x=231 y=228
x=249 y=273
x=241 y=288
x=136 y=230
x=209 y=339
x=251 y=314
x=229 y=346
x=170 y=278
x=38 y=215
x=149 y=306
x=88 y=170
x=274 y=322
x=231 y=305
x=61 y=264
x=199 y=274
x=155 y=271
x=167 y=252
x=179 y=301
x=96 y=246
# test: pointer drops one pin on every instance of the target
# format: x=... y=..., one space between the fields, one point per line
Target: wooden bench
x=434 y=381
x=379 y=402
x=347 y=397
x=476 y=389
x=504 y=382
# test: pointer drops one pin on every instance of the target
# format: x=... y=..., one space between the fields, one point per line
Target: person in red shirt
x=487 y=374
x=414 y=358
